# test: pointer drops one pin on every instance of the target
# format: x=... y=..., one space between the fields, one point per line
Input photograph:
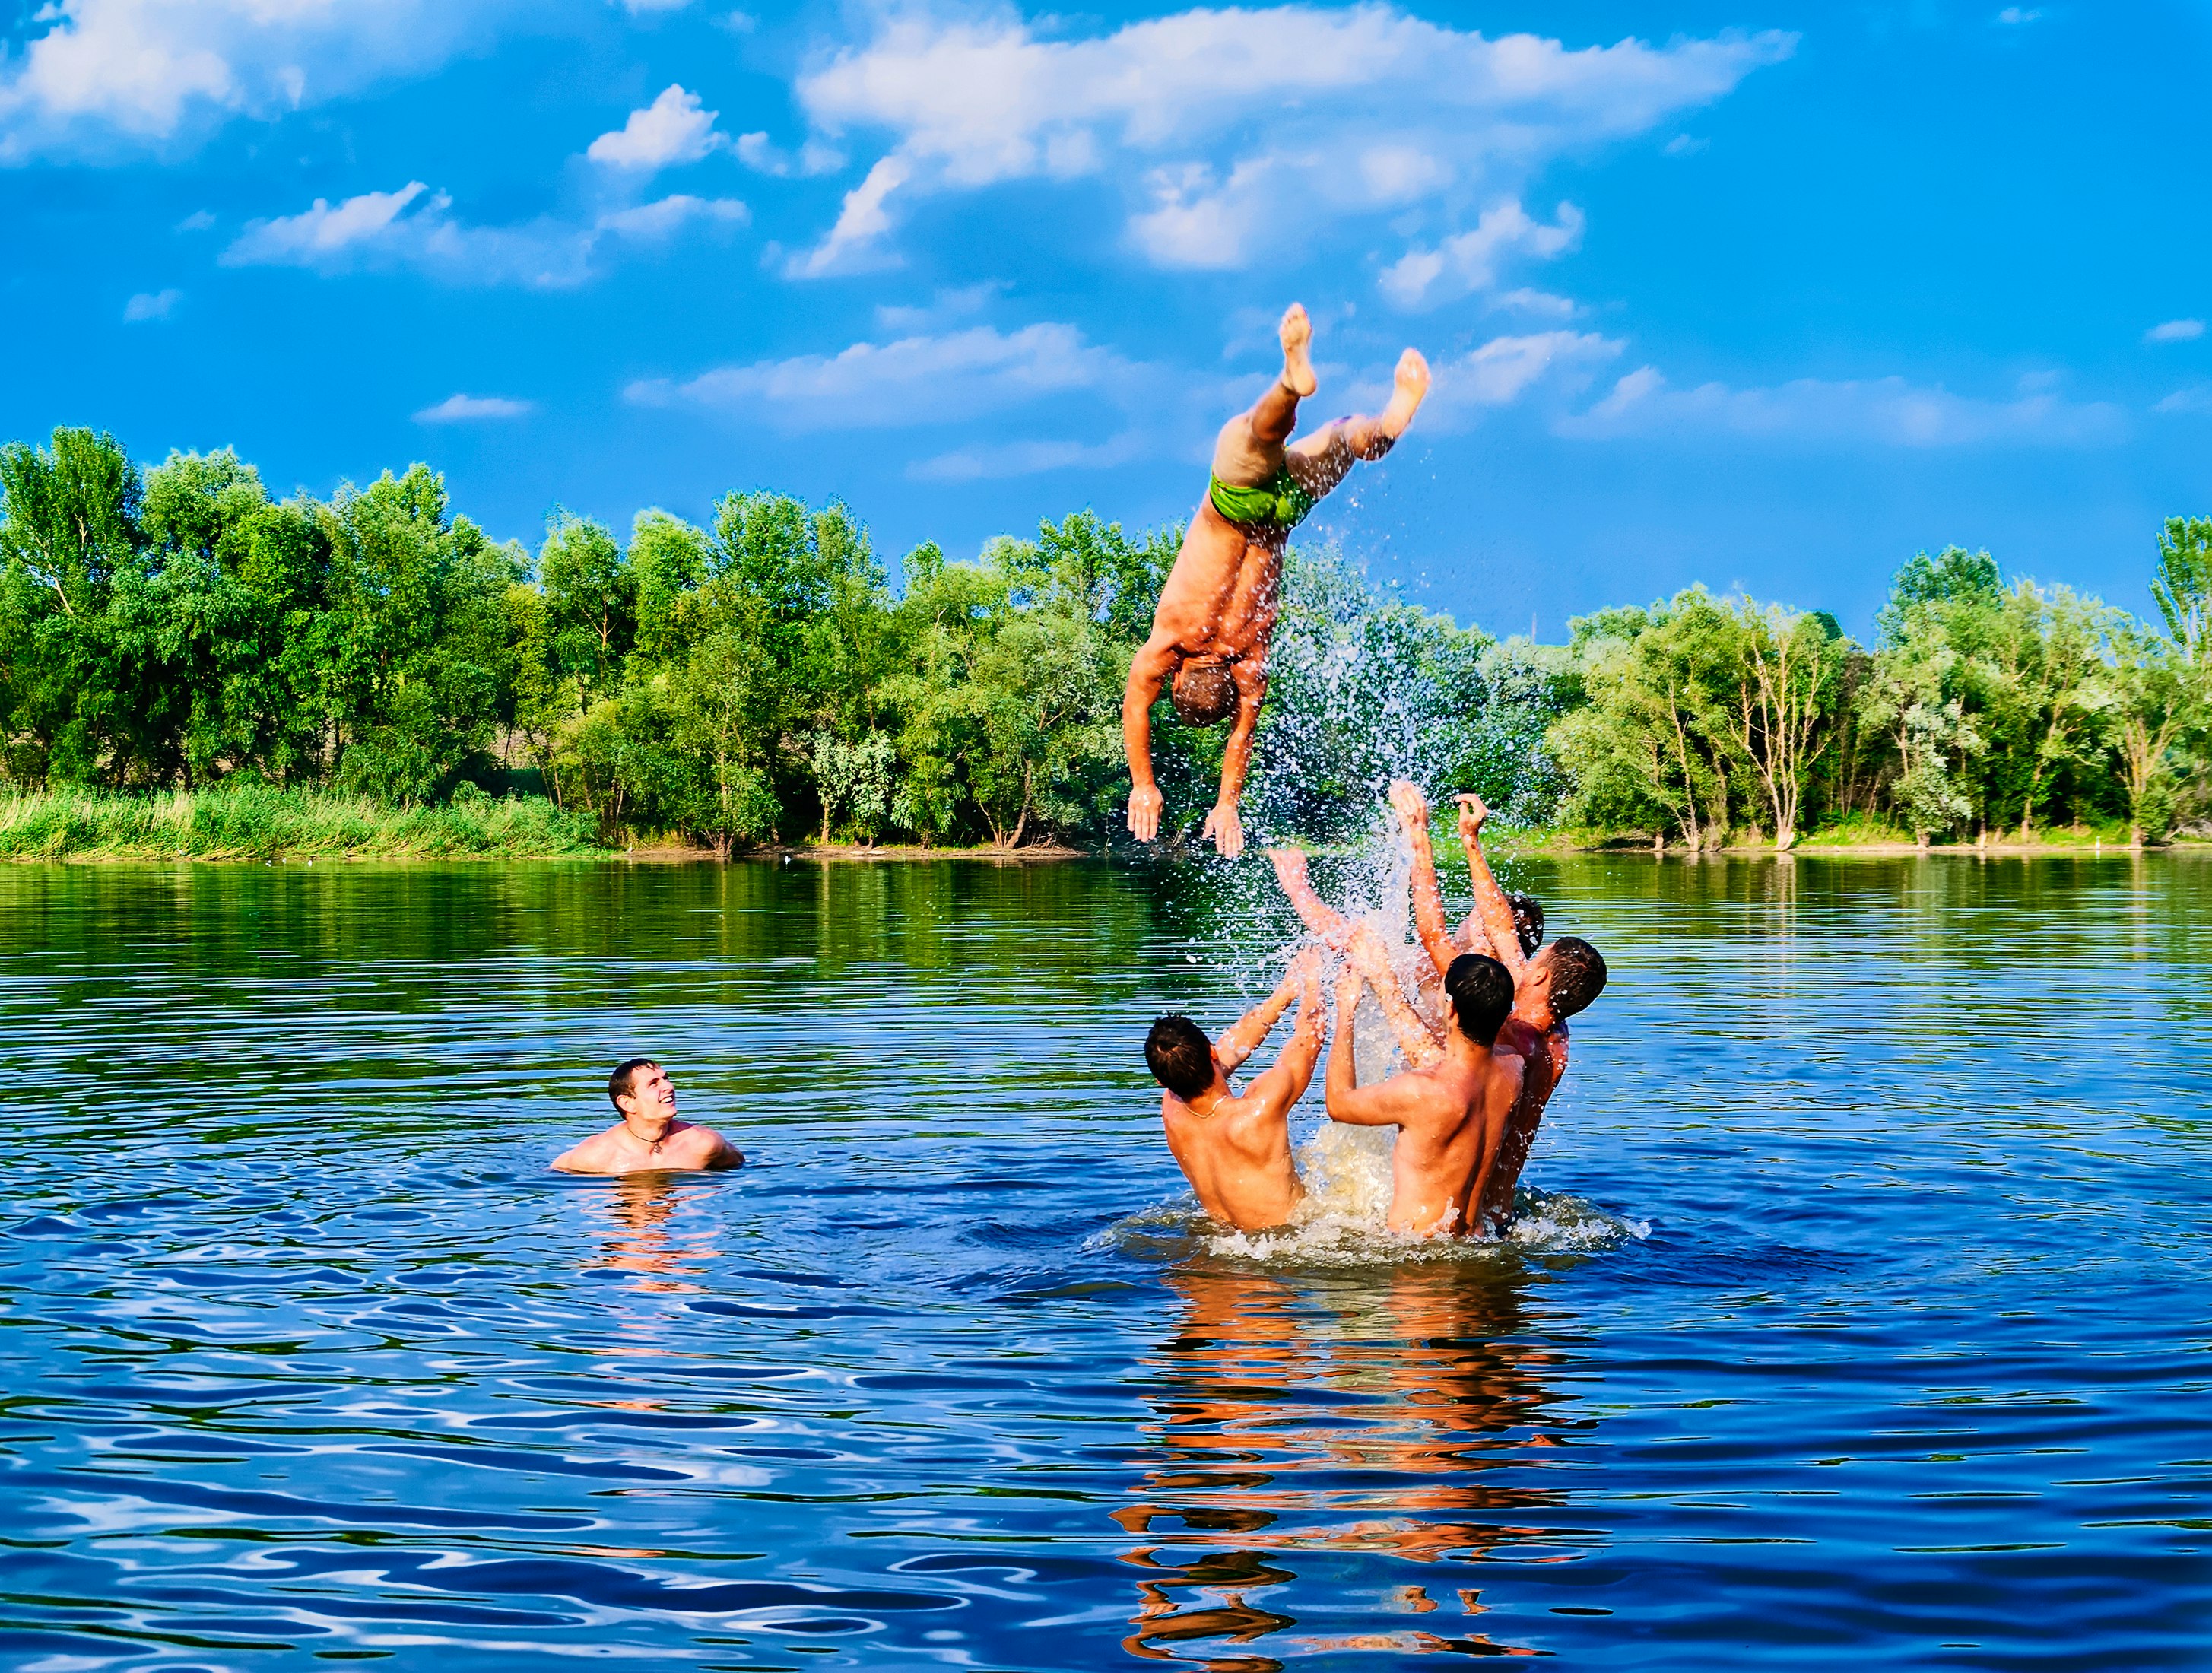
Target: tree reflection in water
x=1355 y=1413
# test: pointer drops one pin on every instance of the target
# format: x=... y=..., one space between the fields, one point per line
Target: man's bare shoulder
x=592 y=1156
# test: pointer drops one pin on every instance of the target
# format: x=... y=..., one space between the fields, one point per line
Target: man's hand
x=1370 y=958
x=1222 y=824
x=1410 y=807
x=1472 y=813
x=1145 y=803
x=1305 y=968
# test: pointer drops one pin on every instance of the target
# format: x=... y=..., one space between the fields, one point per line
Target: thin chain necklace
x=652 y=1149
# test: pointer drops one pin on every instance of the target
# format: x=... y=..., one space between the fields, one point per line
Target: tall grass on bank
x=256 y=822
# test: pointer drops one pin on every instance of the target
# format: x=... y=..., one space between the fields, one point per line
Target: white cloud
x=672 y=129
x=415 y=228
x=1469 y=261
x=197 y=222
x=2019 y=14
x=1536 y=302
x=758 y=153
x=1028 y=459
x=458 y=409
x=2197 y=397
x=910 y=381
x=850 y=246
x=1885 y=411
x=1506 y=368
x=104 y=77
x=666 y=215
x=2175 y=330
x=947 y=305
x=1682 y=145
x=1233 y=132
x=648 y=8
x=151 y=305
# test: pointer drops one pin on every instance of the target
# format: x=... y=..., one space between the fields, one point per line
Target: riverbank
x=262 y=823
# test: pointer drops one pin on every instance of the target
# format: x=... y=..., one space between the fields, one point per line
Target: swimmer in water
x=1548 y=988
x=1450 y=1114
x=649 y=1138
x=1236 y=1149
x=1209 y=639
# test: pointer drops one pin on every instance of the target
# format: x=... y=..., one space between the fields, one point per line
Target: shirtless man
x=1236 y=1150
x=1209 y=639
x=1548 y=989
x=649 y=1138
x=1451 y=1115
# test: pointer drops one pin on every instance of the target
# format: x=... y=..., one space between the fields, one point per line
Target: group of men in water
x=1484 y=1033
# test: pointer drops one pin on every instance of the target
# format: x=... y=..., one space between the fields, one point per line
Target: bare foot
x=1410 y=386
x=1297 y=333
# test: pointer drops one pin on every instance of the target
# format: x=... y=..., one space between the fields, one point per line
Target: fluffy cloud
x=2194 y=398
x=1887 y=411
x=1469 y=261
x=672 y=129
x=1029 y=459
x=2175 y=330
x=415 y=227
x=151 y=305
x=101 y=77
x=1506 y=368
x=910 y=381
x=757 y=151
x=1231 y=132
x=458 y=409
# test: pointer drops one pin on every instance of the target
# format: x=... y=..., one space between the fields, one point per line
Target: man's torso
x=1237 y=1159
x=1434 y=1157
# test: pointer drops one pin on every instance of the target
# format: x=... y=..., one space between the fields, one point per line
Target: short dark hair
x=1180 y=1056
x=1202 y=691
x=1528 y=922
x=1481 y=992
x=621 y=1083
x=1577 y=974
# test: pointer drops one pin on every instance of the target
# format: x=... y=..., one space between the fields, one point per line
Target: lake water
x=1860 y=1318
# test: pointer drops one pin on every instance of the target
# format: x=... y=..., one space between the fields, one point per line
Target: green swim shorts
x=1280 y=504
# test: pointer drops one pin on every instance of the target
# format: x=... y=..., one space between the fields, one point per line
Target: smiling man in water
x=649 y=1138
x=1236 y=1149
x=1209 y=639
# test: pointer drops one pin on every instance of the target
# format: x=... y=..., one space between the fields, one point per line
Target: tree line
x=761 y=678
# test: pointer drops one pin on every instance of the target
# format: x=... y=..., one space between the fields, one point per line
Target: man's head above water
x=1571 y=973
x=1203 y=693
x=1180 y=1057
x=649 y=1138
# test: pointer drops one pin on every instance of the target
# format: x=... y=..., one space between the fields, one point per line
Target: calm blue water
x=308 y=1359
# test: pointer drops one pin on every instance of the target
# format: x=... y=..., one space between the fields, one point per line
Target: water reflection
x=1302 y=1418
x=631 y=1218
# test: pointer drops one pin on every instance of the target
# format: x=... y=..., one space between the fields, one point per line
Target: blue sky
x=1766 y=296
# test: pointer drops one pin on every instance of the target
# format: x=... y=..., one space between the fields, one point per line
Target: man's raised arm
x=1496 y=911
x=1415 y=1037
x=1285 y=1082
x=1244 y=1036
x=1154 y=661
x=1385 y=1105
x=1411 y=808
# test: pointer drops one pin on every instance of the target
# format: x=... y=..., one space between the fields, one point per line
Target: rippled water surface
x=308 y=1358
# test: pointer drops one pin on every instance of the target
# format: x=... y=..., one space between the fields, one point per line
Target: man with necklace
x=648 y=1139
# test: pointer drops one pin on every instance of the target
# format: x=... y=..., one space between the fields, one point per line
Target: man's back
x=1543 y=1054
x=1236 y=1157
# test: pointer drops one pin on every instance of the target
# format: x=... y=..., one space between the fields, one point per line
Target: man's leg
x=1250 y=450
x=1331 y=926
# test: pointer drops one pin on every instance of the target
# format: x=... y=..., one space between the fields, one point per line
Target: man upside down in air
x=1209 y=639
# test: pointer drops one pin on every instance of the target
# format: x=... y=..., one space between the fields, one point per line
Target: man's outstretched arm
x=1286 y=1083
x=1153 y=662
x=1245 y=1036
x=1415 y=1037
x=1334 y=928
x=1489 y=899
x=1386 y=1105
x=1411 y=808
x=1223 y=823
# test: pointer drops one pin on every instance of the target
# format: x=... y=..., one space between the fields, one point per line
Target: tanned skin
x=648 y=1139
x=1419 y=1035
x=1450 y=1118
x=1236 y=1149
x=1219 y=604
x=1535 y=1032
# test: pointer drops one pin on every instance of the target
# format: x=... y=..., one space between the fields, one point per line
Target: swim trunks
x=1280 y=504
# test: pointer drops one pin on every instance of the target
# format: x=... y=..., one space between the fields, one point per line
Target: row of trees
x=761 y=678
